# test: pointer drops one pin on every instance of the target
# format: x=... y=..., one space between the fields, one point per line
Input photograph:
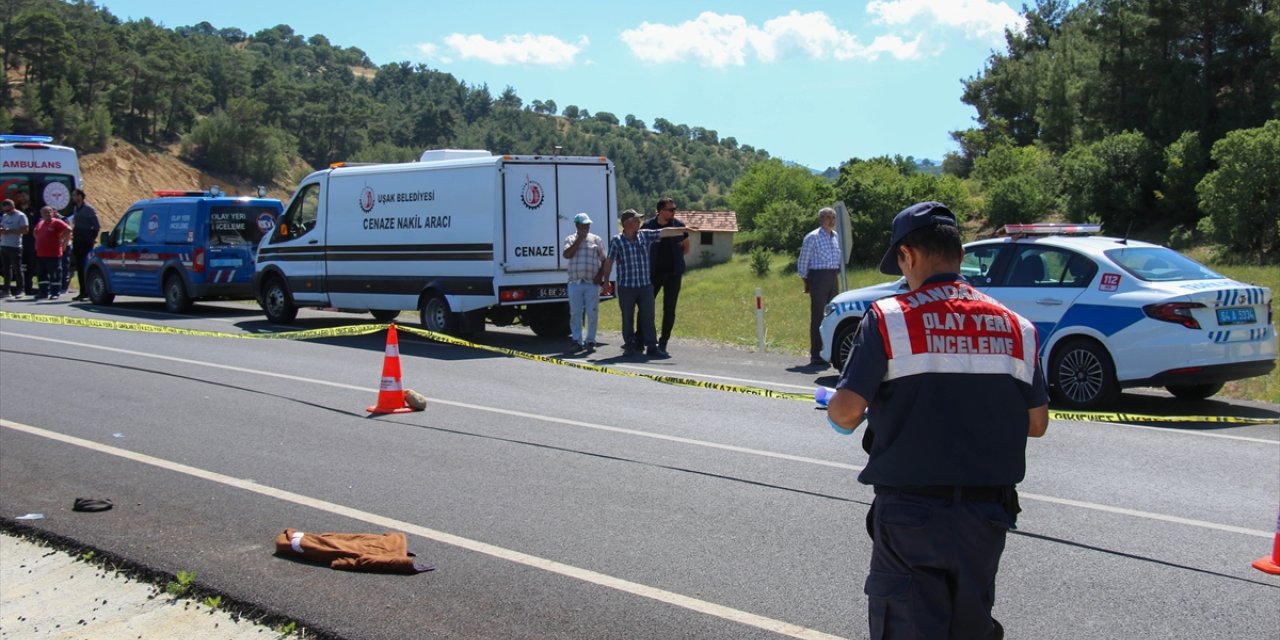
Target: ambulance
x=45 y=172
x=460 y=236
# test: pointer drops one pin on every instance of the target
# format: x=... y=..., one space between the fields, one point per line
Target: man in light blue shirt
x=818 y=266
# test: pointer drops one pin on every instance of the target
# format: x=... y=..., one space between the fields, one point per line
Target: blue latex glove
x=839 y=429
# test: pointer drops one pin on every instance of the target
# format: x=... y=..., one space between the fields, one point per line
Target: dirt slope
x=124 y=174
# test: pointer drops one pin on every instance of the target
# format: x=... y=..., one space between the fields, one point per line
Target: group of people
x=650 y=259
x=37 y=257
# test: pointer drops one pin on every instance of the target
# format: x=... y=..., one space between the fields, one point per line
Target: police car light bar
x=178 y=193
x=14 y=137
x=1051 y=229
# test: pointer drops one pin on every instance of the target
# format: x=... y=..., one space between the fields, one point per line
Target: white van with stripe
x=460 y=236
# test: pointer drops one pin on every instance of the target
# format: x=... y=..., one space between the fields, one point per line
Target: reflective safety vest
x=950 y=327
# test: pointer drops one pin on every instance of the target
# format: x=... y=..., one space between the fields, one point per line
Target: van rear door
x=584 y=188
x=531 y=218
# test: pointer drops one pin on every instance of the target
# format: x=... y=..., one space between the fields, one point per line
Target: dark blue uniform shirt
x=965 y=429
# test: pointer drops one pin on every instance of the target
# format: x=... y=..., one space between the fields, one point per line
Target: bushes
x=1242 y=196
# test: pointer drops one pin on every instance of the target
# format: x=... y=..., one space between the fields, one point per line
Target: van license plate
x=561 y=292
x=1237 y=315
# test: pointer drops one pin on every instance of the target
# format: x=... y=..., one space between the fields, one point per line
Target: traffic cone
x=1271 y=565
x=390 y=393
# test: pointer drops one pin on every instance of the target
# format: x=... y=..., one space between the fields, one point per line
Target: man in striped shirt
x=818 y=266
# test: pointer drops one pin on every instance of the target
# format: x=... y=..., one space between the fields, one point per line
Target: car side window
x=301 y=216
x=1079 y=272
x=127 y=231
x=978 y=262
x=1040 y=266
x=1027 y=268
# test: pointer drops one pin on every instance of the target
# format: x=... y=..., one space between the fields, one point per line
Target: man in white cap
x=585 y=252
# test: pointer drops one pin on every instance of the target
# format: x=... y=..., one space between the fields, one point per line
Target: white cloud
x=978 y=19
x=528 y=49
x=717 y=40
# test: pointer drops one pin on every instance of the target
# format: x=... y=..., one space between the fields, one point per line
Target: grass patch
x=718 y=304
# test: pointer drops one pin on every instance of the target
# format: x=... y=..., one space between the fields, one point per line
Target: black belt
x=971 y=493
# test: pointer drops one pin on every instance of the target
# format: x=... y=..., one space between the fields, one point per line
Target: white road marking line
x=586 y=575
x=701 y=443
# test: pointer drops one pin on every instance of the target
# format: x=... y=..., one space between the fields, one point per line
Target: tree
x=1242 y=196
x=772 y=181
x=1112 y=181
x=1020 y=183
x=875 y=190
x=606 y=117
x=509 y=99
x=1186 y=162
x=571 y=112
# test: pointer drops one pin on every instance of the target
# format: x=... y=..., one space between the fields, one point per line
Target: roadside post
x=759 y=322
x=844 y=227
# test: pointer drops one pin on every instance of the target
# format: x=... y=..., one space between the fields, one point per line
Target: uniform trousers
x=933 y=567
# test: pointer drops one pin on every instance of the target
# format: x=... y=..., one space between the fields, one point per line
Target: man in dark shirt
x=666 y=262
x=84 y=234
x=954 y=388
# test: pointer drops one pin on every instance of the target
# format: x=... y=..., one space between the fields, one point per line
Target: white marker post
x=759 y=323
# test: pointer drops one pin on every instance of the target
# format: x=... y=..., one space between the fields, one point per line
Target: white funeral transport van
x=461 y=236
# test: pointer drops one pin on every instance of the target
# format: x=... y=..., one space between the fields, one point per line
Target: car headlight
x=829 y=309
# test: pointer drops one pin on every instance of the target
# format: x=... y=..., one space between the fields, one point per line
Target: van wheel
x=99 y=291
x=1194 y=391
x=843 y=348
x=176 y=299
x=548 y=320
x=1082 y=375
x=385 y=315
x=437 y=316
x=277 y=303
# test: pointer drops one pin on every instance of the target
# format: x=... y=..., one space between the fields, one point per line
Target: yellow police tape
x=366 y=329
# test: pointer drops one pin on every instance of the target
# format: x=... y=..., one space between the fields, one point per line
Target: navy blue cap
x=916 y=216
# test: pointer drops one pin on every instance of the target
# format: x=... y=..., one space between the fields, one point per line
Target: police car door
x=1041 y=283
x=531 y=226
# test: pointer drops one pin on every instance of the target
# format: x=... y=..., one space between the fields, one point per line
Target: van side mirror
x=105 y=239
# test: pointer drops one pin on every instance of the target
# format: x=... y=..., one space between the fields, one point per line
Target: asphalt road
x=562 y=503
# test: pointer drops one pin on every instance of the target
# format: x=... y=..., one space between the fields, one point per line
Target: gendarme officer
x=954 y=389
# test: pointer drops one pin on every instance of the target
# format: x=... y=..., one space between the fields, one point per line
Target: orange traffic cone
x=1271 y=565
x=390 y=393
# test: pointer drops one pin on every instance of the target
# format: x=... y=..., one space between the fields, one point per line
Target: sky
x=815 y=83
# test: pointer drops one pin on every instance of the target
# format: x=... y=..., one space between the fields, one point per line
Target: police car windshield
x=234 y=225
x=1158 y=264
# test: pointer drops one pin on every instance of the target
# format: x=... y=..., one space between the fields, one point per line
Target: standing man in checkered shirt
x=585 y=252
x=818 y=266
x=630 y=251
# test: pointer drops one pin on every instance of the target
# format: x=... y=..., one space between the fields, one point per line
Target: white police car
x=1111 y=313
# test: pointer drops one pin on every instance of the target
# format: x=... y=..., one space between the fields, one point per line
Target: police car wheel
x=1194 y=391
x=277 y=303
x=99 y=292
x=176 y=299
x=437 y=316
x=843 y=347
x=1082 y=375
